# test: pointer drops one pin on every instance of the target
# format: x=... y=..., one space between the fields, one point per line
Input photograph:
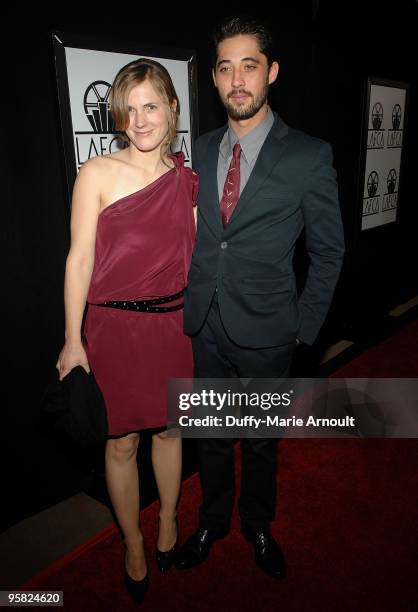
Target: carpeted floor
x=346 y=519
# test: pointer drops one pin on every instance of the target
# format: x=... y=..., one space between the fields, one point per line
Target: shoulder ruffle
x=179 y=158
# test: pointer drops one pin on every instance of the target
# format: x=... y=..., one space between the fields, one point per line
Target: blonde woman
x=132 y=235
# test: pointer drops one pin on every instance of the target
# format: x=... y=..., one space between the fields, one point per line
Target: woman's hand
x=72 y=355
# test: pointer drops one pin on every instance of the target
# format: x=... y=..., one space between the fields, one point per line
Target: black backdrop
x=326 y=54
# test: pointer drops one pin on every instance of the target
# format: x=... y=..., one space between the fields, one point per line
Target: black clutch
x=75 y=405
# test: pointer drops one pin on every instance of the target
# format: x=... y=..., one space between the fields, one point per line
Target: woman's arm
x=79 y=265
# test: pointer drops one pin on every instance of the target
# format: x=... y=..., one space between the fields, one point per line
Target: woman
x=132 y=234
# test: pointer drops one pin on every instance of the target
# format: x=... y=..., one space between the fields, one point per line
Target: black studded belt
x=146 y=305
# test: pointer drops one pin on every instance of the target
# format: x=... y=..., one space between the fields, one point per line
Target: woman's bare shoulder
x=101 y=162
x=100 y=167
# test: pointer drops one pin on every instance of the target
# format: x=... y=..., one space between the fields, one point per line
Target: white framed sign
x=85 y=70
x=382 y=148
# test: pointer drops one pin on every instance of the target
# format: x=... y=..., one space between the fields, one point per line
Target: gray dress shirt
x=250 y=148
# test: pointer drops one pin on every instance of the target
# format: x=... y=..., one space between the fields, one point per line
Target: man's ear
x=214 y=77
x=273 y=72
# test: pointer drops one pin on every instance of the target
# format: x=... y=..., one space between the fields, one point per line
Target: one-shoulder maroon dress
x=143 y=249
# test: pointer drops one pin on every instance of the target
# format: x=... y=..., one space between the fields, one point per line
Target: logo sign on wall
x=383 y=140
x=85 y=72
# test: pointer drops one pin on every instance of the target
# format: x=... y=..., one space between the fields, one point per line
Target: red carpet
x=396 y=357
x=346 y=520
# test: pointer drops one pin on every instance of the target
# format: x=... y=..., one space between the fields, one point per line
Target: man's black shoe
x=268 y=554
x=196 y=548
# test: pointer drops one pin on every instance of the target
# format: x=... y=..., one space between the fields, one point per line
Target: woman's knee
x=123 y=448
x=161 y=435
x=166 y=437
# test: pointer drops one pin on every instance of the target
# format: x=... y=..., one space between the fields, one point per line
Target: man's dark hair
x=232 y=26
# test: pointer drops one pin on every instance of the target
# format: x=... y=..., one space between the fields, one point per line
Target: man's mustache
x=236 y=92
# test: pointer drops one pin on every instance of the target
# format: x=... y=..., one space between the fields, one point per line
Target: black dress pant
x=217 y=356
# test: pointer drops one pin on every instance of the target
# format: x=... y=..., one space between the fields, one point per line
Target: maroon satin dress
x=143 y=249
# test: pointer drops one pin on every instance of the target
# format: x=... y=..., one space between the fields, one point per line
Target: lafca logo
x=391 y=180
x=102 y=138
x=396 y=117
x=372 y=184
x=376 y=135
x=395 y=134
x=371 y=203
x=97 y=107
x=390 y=199
x=377 y=116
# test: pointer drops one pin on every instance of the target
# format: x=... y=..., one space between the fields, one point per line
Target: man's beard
x=246 y=112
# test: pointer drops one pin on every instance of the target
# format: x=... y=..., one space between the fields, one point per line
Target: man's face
x=242 y=76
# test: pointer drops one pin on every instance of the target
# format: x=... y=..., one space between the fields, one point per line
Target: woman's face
x=148 y=117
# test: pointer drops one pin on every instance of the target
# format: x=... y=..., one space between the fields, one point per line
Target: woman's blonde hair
x=131 y=75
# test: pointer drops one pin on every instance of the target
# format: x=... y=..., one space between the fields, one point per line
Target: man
x=261 y=183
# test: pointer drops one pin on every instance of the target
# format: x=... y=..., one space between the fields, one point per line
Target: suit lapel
x=210 y=185
x=270 y=154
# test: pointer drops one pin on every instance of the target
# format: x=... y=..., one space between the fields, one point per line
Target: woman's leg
x=166 y=461
x=123 y=487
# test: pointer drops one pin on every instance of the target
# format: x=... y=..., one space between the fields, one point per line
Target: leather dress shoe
x=196 y=549
x=165 y=558
x=268 y=554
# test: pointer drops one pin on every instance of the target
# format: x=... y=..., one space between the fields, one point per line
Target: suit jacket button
x=224 y=245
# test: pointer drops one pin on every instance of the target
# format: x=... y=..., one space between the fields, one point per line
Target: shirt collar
x=251 y=143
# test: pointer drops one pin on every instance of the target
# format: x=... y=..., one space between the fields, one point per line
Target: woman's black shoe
x=165 y=558
x=136 y=588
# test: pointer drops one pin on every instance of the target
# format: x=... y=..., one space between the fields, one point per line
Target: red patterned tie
x=231 y=188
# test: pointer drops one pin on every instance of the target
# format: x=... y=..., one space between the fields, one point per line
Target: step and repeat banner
x=382 y=149
x=85 y=70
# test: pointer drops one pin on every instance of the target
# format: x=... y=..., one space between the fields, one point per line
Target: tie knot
x=236 y=151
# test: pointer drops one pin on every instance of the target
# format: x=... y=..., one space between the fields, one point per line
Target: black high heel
x=165 y=558
x=136 y=588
